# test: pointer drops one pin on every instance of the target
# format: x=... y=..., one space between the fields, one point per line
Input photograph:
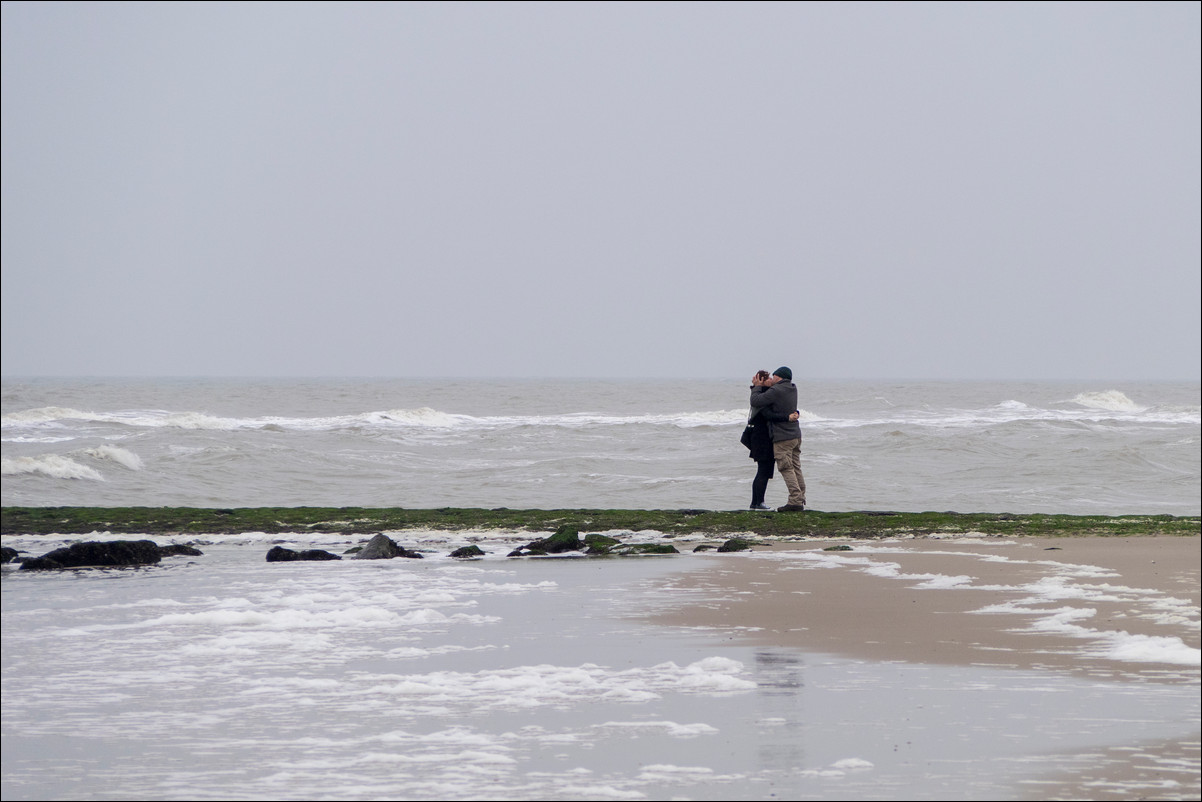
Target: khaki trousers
x=788 y=464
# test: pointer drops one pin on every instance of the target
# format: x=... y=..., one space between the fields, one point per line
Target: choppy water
x=971 y=446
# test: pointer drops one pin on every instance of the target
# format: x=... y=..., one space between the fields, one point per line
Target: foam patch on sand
x=1065 y=584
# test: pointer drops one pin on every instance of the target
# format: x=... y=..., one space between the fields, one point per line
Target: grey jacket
x=780 y=399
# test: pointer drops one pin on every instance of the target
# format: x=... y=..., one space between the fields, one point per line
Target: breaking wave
x=118 y=455
x=1109 y=400
x=419 y=418
x=52 y=465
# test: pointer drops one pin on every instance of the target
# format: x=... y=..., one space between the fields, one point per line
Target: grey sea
x=226 y=677
x=1081 y=448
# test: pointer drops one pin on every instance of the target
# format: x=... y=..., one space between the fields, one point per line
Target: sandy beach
x=1115 y=610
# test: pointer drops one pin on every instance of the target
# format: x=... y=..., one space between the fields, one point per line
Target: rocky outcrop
x=7 y=555
x=735 y=544
x=600 y=544
x=467 y=552
x=103 y=553
x=565 y=539
x=632 y=549
x=382 y=547
x=180 y=550
x=279 y=554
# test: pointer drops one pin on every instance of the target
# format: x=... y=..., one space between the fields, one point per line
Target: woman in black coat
x=758 y=439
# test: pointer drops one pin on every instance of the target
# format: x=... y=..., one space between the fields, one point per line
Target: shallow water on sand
x=224 y=676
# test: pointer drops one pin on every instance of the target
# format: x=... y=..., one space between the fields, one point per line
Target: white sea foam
x=668 y=727
x=282 y=619
x=423 y=416
x=538 y=685
x=1148 y=649
x=1031 y=599
x=664 y=772
x=1108 y=644
x=417 y=418
x=43 y=415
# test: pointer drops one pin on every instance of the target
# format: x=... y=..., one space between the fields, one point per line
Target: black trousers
x=764 y=471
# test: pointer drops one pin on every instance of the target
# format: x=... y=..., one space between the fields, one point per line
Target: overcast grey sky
x=978 y=190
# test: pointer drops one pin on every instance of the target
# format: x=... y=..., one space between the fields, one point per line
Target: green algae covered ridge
x=370 y=520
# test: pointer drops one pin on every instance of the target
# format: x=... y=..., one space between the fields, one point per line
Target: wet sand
x=1107 y=609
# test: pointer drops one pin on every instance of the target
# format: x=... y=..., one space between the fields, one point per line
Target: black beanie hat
x=784 y=373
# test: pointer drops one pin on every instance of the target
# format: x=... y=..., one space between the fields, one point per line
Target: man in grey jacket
x=779 y=394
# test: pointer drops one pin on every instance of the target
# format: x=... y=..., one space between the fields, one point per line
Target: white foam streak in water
x=424 y=417
x=1091 y=406
x=1110 y=405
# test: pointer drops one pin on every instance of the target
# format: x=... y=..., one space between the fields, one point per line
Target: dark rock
x=644 y=548
x=40 y=564
x=279 y=554
x=735 y=544
x=97 y=554
x=382 y=547
x=840 y=547
x=600 y=544
x=468 y=551
x=180 y=550
x=318 y=554
x=7 y=555
x=704 y=547
x=566 y=538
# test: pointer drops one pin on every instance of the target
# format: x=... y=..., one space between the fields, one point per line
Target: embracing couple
x=774 y=438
